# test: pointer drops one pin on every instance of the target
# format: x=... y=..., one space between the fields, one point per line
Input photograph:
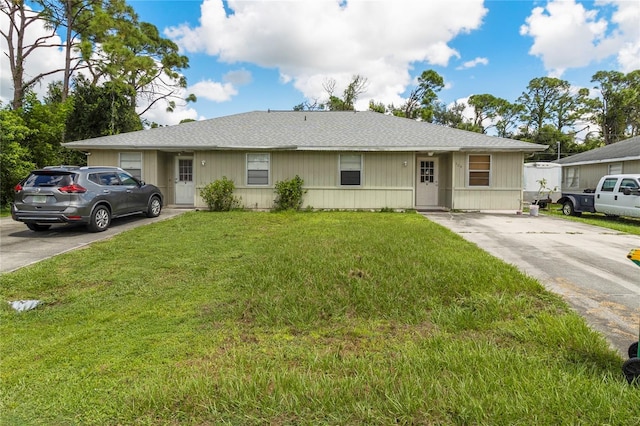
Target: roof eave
x=605 y=160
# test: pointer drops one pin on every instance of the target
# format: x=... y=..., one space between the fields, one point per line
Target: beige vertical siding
x=590 y=174
x=504 y=192
x=103 y=158
x=387 y=181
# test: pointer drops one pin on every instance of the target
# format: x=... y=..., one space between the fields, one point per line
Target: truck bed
x=581 y=201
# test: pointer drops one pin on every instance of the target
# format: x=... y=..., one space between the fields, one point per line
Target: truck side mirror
x=631 y=191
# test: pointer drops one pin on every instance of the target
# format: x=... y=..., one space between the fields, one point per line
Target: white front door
x=427 y=182
x=185 y=188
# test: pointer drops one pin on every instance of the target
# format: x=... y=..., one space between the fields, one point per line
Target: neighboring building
x=348 y=160
x=583 y=171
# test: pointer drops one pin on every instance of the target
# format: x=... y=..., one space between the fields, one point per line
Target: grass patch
x=298 y=318
x=629 y=225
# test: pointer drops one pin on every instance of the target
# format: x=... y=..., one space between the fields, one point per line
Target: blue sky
x=274 y=54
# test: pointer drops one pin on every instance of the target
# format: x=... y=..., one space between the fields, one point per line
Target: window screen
x=615 y=168
x=132 y=163
x=479 y=170
x=257 y=169
x=350 y=169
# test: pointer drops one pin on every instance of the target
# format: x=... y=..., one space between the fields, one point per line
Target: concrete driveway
x=585 y=264
x=21 y=247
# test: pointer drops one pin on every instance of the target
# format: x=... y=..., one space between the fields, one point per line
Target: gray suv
x=84 y=195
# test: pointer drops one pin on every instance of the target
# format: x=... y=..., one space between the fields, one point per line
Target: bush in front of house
x=219 y=195
x=289 y=194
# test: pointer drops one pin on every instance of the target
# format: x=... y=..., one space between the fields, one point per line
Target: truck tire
x=568 y=210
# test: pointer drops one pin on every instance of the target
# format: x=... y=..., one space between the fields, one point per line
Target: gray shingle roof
x=628 y=149
x=307 y=130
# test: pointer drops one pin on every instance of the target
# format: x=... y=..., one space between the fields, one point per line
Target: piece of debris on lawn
x=25 y=305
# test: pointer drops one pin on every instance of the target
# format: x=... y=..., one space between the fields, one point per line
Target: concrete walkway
x=585 y=264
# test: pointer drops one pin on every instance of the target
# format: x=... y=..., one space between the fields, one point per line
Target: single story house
x=583 y=171
x=348 y=160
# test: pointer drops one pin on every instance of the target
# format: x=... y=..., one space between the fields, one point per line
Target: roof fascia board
x=608 y=160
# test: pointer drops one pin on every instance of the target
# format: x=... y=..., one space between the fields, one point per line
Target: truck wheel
x=633 y=350
x=567 y=208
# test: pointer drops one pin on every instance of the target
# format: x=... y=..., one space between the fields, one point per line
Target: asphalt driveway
x=585 y=264
x=21 y=247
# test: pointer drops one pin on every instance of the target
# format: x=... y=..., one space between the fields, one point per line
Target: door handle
x=106 y=191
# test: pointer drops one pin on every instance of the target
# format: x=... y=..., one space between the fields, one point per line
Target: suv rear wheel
x=100 y=219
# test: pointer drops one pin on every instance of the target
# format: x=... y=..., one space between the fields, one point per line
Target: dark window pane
x=350 y=177
x=258 y=177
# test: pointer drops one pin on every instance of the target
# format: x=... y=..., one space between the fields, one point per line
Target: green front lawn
x=629 y=225
x=298 y=318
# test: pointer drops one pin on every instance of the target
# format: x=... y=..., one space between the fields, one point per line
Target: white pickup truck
x=615 y=195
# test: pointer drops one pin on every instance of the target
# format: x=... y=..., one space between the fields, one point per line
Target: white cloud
x=309 y=41
x=567 y=35
x=473 y=63
x=213 y=91
x=158 y=114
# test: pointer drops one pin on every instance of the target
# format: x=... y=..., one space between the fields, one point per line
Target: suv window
x=49 y=179
x=127 y=179
x=108 y=179
x=93 y=177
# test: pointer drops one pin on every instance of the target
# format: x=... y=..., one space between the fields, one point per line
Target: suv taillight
x=18 y=188
x=73 y=189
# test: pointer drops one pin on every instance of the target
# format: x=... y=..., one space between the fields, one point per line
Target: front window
x=258 y=169
x=351 y=169
x=628 y=183
x=608 y=185
x=479 y=169
x=132 y=163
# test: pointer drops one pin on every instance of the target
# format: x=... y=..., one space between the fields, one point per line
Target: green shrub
x=219 y=195
x=289 y=194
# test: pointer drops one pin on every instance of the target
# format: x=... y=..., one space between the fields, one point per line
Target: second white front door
x=185 y=188
x=427 y=182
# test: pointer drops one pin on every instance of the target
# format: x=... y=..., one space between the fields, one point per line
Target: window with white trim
x=571 y=177
x=479 y=169
x=258 y=169
x=131 y=162
x=350 y=169
x=615 y=169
